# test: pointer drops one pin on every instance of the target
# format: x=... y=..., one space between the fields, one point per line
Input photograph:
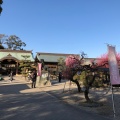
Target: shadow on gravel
x=102 y=104
x=32 y=106
x=12 y=89
x=15 y=105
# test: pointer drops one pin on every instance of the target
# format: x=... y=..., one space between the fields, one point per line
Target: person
x=29 y=75
x=60 y=76
x=11 y=76
x=33 y=78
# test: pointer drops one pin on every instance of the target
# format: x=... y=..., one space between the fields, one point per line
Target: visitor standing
x=33 y=78
x=60 y=76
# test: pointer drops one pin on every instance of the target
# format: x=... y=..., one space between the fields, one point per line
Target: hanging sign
x=39 y=69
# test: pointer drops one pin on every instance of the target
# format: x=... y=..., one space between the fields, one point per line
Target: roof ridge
x=9 y=50
x=45 y=53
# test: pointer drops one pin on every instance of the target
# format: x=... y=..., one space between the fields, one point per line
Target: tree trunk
x=89 y=83
x=77 y=83
x=86 y=92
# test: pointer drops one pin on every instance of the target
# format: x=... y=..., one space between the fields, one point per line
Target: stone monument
x=43 y=80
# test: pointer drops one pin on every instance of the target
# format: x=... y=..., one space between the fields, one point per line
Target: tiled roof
x=51 y=57
x=16 y=54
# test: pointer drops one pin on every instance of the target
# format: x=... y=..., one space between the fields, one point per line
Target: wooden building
x=50 y=60
x=9 y=59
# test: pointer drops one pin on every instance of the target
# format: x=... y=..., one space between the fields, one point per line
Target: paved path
x=19 y=102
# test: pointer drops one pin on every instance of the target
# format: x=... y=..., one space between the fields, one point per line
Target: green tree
x=26 y=65
x=2 y=40
x=61 y=64
x=0 y=6
x=15 y=43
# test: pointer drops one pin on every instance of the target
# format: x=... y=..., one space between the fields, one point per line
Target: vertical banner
x=39 y=69
x=113 y=66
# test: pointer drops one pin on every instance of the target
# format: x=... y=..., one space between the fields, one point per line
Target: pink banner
x=39 y=69
x=113 y=66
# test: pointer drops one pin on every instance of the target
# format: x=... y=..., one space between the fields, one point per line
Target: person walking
x=33 y=78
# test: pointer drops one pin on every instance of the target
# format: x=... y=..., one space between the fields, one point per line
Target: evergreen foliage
x=25 y=66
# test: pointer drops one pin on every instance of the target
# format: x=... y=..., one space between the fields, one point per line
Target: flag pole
x=114 y=71
x=64 y=86
x=113 y=101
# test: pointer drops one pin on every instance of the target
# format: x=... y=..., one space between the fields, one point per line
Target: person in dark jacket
x=33 y=78
x=60 y=76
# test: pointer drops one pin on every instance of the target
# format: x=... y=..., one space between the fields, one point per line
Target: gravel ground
x=102 y=105
x=102 y=98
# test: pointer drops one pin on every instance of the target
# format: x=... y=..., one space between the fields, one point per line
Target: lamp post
x=0 y=6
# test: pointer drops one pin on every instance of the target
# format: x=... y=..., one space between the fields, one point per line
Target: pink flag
x=113 y=66
x=39 y=69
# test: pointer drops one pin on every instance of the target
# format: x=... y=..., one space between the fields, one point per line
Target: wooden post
x=16 y=67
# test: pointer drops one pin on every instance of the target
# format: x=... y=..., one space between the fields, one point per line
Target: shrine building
x=9 y=60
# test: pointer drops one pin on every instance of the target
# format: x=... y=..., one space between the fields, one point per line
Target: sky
x=63 y=26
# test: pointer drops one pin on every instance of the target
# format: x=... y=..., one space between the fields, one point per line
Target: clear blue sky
x=63 y=26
